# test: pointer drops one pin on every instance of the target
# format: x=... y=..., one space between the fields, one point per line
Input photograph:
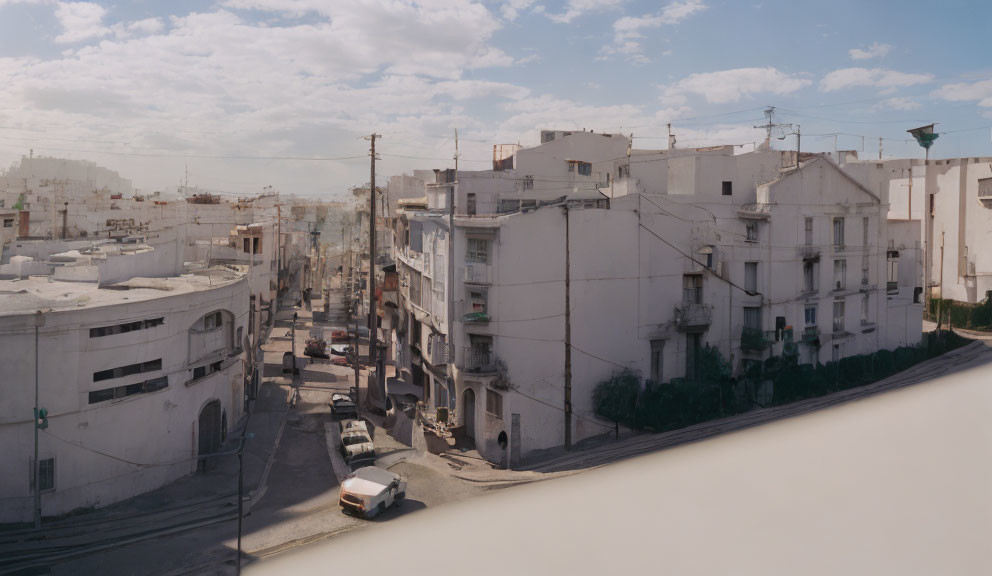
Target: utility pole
x=770 y=113
x=879 y=147
x=940 y=303
x=568 y=337
x=373 y=338
x=278 y=250
x=39 y=322
x=925 y=137
x=65 y=221
x=355 y=362
x=450 y=296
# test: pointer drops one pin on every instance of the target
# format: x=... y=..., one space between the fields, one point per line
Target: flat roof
x=25 y=296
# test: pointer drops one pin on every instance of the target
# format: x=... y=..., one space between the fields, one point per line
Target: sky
x=236 y=95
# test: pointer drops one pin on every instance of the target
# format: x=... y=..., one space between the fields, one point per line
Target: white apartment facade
x=731 y=251
x=139 y=379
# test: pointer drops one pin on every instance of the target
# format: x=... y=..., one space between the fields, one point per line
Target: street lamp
x=925 y=137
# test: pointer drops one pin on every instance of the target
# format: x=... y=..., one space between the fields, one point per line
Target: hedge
x=714 y=394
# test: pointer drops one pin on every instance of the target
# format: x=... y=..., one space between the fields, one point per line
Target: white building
x=681 y=250
x=139 y=378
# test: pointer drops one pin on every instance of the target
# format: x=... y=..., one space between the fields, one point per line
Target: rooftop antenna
x=770 y=113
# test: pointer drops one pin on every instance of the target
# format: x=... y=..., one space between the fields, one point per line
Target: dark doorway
x=208 y=433
x=468 y=399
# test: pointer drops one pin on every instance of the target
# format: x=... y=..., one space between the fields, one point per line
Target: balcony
x=753 y=339
x=693 y=317
x=478 y=360
x=476 y=273
x=809 y=253
x=811 y=335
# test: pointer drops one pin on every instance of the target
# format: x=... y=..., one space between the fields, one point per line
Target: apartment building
x=139 y=377
x=679 y=251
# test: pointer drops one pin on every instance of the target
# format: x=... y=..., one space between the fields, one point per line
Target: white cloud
x=876 y=50
x=732 y=85
x=898 y=103
x=80 y=21
x=511 y=9
x=146 y=26
x=627 y=30
x=980 y=91
x=887 y=80
x=576 y=8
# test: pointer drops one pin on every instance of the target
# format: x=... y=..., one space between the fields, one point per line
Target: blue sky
x=231 y=89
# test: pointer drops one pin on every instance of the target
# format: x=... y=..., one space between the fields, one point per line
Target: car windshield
x=350 y=440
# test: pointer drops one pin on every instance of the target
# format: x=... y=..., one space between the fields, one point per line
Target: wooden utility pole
x=568 y=338
x=373 y=338
x=450 y=296
x=940 y=302
x=278 y=251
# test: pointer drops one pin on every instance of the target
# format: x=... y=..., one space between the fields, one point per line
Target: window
x=751 y=276
x=239 y=338
x=840 y=274
x=892 y=273
x=8 y=222
x=128 y=370
x=494 y=403
x=470 y=207
x=247 y=245
x=415 y=281
x=657 y=360
x=839 y=233
x=127 y=327
x=864 y=271
x=865 y=309
x=585 y=169
x=507 y=206
x=46 y=475
x=809 y=230
x=528 y=203
x=528 y=183
x=752 y=317
x=199 y=372
x=728 y=188
x=984 y=188
x=256 y=246
x=477 y=250
x=692 y=289
x=839 y=315
x=622 y=171
x=811 y=315
x=752 y=231
x=119 y=392
x=212 y=320
x=864 y=222
x=809 y=277
x=478 y=300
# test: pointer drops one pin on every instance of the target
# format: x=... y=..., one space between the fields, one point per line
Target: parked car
x=343 y=407
x=356 y=443
x=369 y=491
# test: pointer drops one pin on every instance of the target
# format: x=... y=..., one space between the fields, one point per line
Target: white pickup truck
x=370 y=490
x=356 y=443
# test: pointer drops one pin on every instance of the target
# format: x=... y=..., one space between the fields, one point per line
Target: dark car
x=343 y=407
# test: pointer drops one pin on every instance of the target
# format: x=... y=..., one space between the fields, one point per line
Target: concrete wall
x=157 y=428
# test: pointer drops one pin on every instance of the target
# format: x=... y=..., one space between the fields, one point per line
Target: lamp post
x=925 y=137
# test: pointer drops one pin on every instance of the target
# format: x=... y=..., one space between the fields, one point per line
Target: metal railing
x=693 y=315
x=478 y=359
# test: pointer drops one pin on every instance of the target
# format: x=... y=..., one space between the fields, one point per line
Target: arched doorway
x=208 y=433
x=468 y=399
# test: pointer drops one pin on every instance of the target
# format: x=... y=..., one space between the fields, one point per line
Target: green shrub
x=616 y=398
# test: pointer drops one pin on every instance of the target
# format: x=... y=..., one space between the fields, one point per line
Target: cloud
x=627 y=31
x=887 y=80
x=876 y=50
x=980 y=91
x=146 y=26
x=80 y=21
x=898 y=103
x=511 y=9
x=732 y=85
x=576 y=8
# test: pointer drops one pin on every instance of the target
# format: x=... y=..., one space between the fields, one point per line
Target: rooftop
x=43 y=293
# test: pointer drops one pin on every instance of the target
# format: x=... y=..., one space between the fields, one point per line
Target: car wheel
x=379 y=509
x=400 y=497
